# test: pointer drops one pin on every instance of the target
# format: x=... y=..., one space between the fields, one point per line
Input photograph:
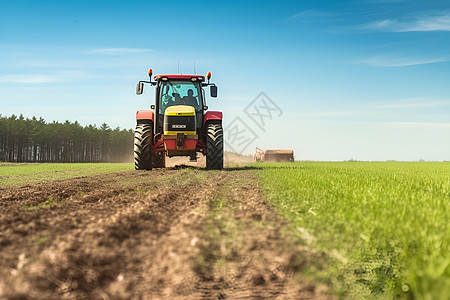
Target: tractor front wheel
x=143 y=141
x=214 y=147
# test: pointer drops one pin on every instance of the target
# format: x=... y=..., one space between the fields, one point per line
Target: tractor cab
x=174 y=91
x=178 y=123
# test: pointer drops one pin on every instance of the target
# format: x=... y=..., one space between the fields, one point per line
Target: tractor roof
x=180 y=77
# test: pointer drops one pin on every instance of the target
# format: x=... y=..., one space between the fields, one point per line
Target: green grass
x=385 y=225
x=20 y=174
x=222 y=240
x=49 y=203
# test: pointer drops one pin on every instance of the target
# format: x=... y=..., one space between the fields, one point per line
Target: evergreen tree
x=34 y=140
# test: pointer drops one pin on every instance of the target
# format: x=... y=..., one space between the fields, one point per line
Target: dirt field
x=181 y=232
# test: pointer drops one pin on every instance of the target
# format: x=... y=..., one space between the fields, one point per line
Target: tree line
x=35 y=140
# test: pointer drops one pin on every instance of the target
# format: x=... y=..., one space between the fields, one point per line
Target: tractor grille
x=176 y=124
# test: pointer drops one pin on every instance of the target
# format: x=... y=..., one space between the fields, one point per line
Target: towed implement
x=179 y=123
x=274 y=155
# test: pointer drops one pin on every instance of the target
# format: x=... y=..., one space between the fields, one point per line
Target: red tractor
x=178 y=124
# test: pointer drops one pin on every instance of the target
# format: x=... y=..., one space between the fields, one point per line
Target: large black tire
x=214 y=147
x=143 y=141
x=159 y=159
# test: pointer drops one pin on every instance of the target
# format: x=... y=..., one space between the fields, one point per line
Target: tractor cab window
x=180 y=93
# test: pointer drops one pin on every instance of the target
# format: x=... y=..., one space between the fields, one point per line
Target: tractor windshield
x=173 y=92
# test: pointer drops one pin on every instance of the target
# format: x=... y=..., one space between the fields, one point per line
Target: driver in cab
x=176 y=99
x=190 y=99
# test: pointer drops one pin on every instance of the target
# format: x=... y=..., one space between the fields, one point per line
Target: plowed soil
x=172 y=233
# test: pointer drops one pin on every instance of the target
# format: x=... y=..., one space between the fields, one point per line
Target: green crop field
x=384 y=225
x=19 y=174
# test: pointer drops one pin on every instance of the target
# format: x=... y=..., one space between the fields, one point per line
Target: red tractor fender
x=212 y=116
x=145 y=115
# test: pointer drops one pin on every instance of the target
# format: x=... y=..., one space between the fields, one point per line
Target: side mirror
x=139 y=88
x=213 y=91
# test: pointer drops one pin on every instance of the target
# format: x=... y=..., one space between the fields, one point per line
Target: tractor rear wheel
x=159 y=159
x=214 y=147
x=143 y=141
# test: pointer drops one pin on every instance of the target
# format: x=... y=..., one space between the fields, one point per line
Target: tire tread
x=214 y=147
x=143 y=141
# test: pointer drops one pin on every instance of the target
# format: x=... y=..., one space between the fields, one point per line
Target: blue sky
x=366 y=79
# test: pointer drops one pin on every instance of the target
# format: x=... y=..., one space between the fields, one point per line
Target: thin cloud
x=435 y=22
x=384 y=61
x=418 y=124
x=118 y=51
x=377 y=111
x=382 y=1
x=29 y=78
x=336 y=113
x=42 y=78
x=412 y=103
x=310 y=15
